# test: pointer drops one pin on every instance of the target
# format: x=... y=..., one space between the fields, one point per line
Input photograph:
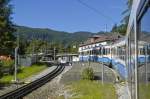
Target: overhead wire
x=97 y=11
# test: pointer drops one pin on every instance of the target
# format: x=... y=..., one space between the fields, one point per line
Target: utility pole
x=102 y=61
x=82 y=53
x=102 y=66
x=89 y=57
x=106 y=28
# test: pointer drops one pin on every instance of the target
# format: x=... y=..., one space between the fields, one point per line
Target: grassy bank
x=25 y=72
x=144 y=91
x=92 y=90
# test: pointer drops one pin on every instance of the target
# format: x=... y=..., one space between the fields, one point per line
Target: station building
x=95 y=42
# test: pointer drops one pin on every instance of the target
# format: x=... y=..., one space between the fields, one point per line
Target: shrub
x=88 y=74
x=7 y=66
x=7 y=63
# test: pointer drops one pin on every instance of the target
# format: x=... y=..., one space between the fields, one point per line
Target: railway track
x=26 y=89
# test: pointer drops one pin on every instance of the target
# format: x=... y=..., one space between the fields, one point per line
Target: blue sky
x=68 y=15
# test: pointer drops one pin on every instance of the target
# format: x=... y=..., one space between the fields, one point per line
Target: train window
x=103 y=51
x=106 y=51
x=99 y=51
x=144 y=56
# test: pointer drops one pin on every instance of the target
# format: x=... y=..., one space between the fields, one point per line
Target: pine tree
x=6 y=28
x=114 y=28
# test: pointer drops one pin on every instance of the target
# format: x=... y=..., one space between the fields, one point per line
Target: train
x=114 y=55
x=128 y=55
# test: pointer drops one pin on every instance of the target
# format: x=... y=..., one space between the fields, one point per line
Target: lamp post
x=16 y=61
x=146 y=65
x=16 y=58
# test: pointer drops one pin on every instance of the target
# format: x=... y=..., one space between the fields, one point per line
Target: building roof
x=101 y=38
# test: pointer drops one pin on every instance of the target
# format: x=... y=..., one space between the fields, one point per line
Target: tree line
x=8 y=41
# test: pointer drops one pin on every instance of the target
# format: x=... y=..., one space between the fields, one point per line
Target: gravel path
x=12 y=87
x=51 y=89
x=9 y=88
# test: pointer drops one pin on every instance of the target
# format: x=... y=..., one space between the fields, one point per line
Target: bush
x=7 y=66
x=7 y=63
x=88 y=74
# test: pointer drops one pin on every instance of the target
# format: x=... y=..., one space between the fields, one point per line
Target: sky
x=68 y=15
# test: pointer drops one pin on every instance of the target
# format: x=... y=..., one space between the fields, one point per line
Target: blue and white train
x=113 y=55
x=129 y=56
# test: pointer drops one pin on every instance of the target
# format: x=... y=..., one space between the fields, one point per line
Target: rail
x=26 y=89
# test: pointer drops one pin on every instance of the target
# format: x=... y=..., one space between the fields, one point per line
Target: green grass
x=92 y=90
x=25 y=72
x=144 y=91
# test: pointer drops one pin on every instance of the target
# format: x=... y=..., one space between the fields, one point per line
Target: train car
x=138 y=51
x=118 y=59
x=104 y=54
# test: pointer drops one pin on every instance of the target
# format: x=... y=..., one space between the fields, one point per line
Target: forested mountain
x=49 y=35
x=38 y=39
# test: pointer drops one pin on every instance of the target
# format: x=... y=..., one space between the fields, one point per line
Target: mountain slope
x=49 y=35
